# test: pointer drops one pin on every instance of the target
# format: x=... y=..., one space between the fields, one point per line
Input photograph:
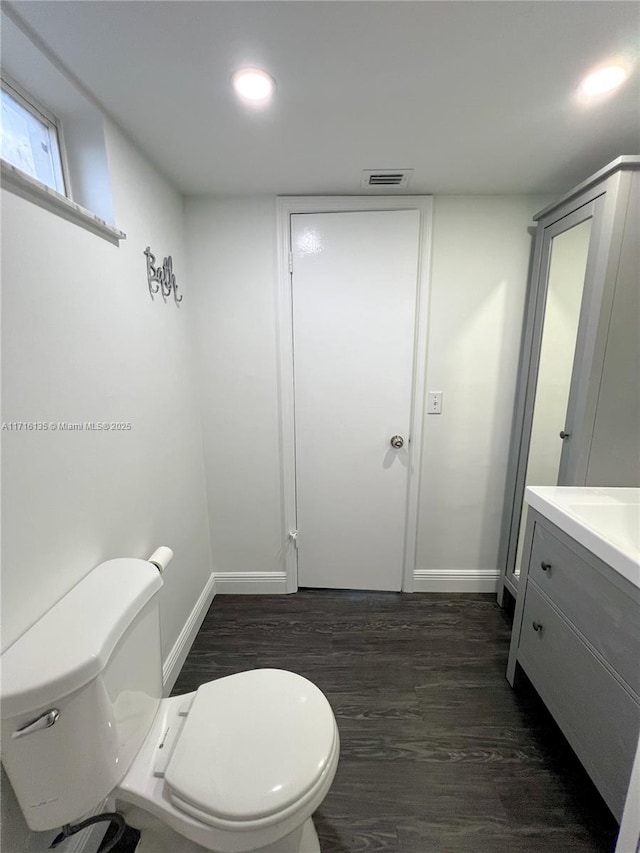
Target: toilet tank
x=93 y=664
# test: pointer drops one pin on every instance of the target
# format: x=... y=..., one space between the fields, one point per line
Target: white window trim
x=26 y=100
x=18 y=182
x=24 y=185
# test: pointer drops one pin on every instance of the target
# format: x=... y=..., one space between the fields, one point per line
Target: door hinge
x=291 y=262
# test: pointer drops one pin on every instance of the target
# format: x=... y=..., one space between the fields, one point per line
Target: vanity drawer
x=599 y=718
x=599 y=609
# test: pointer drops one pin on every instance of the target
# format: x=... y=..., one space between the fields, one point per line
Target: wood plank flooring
x=438 y=754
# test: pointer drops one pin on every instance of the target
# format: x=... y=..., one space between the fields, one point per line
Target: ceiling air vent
x=382 y=178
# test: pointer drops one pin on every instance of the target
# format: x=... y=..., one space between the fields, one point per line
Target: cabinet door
x=614 y=457
x=599 y=718
x=565 y=251
x=571 y=286
x=600 y=610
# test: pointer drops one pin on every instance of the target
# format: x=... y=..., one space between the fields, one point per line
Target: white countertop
x=604 y=520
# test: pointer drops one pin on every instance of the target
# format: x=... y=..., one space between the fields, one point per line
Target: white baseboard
x=450 y=580
x=424 y=580
x=250 y=583
x=176 y=657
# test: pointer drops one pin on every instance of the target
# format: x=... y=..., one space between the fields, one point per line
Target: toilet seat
x=254 y=747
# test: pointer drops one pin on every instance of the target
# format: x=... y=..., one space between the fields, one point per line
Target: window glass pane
x=29 y=143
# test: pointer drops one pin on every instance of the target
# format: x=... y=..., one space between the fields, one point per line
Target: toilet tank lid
x=72 y=643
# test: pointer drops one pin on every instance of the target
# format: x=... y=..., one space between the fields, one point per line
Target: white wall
x=231 y=248
x=481 y=252
x=480 y=259
x=82 y=341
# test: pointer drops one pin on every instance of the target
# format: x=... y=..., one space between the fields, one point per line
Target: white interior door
x=354 y=288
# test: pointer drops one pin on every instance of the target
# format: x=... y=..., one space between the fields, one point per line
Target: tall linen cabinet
x=577 y=412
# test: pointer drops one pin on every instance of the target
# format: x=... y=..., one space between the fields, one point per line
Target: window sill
x=33 y=190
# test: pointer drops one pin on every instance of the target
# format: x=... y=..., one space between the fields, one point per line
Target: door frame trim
x=285 y=207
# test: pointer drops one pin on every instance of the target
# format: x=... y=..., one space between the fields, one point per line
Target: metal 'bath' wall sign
x=161 y=279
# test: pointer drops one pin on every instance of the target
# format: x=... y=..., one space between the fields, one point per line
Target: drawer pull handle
x=536 y=626
x=545 y=566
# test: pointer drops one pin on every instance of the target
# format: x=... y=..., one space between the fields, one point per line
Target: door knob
x=397 y=441
x=564 y=434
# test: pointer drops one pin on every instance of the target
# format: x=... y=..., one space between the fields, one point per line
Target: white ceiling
x=476 y=97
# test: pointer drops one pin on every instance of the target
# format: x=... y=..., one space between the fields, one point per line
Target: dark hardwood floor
x=438 y=754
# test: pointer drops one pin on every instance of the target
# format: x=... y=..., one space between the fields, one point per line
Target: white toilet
x=239 y=765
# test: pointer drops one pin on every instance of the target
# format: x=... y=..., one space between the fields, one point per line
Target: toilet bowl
x=238 y=766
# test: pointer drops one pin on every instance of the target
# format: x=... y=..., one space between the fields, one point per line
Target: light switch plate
x=434 y=402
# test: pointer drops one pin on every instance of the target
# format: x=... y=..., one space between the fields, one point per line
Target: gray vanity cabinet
x=576 y=634
x=577 y=412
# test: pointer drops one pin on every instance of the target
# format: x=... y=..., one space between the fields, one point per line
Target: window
x=30 y=139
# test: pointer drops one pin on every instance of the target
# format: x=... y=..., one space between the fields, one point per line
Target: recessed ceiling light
x=253 y=85
x=603 y=80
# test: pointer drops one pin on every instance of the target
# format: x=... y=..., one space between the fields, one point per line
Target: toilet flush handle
x=44 y=721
